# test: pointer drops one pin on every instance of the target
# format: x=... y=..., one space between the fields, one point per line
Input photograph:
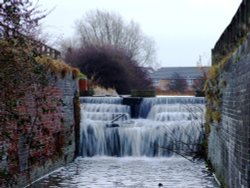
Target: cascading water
x=167 y=125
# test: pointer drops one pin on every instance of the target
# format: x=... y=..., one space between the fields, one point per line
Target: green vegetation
x=214 y=89
x=25 y=100
x=29 y=102
x=143 y=93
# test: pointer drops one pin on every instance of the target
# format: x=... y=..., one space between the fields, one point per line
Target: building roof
x=184 y=72
x=148 y=70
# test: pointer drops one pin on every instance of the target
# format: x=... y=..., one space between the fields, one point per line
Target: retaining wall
x=229 y=141
x=54 y=131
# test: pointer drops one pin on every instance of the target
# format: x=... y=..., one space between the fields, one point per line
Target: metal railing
x=41 y=48
x=118 y=116
x=46 y=50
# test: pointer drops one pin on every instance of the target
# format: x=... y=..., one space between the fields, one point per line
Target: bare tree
x=199 y=83
x=103 y=28
x=178 y=83
x=109 y=67
x=20 y=17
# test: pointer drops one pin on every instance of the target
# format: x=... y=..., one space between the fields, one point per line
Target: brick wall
x=229 y=141
x=50 y=113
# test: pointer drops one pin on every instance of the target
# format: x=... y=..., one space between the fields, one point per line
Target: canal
x=130 y=172
x=118 y=151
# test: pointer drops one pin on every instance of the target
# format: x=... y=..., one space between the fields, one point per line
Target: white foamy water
x=130 y=172
x=137 y=153
x=172 y=123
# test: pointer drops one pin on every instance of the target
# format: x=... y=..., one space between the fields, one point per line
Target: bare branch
x=103 y=28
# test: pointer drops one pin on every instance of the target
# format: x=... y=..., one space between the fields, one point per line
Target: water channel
x=118 y=151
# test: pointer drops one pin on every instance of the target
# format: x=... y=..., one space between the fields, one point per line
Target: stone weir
x=150 y=127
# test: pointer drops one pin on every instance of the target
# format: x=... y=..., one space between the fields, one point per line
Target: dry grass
x=58 y=67
x=100 y=91
x=172 y=93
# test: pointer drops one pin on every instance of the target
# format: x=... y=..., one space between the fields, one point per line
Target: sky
x=184 y=31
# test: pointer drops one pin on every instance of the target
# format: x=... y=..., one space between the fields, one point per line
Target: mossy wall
x=228 y=95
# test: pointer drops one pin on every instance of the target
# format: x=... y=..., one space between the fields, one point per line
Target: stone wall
x=229 y=140
x=69 y=89
x=234 y=33
x=54 y=131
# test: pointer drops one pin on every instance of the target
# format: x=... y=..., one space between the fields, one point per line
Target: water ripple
x=130 y=172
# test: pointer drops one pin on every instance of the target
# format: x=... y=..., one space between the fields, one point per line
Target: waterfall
x=148 y=103
x=167 y=125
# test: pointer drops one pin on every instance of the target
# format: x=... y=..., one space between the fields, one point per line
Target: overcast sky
x=182 y=29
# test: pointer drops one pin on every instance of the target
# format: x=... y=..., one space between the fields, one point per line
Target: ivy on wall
x=215 y=84
x=31 y=122
x=213 y=90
